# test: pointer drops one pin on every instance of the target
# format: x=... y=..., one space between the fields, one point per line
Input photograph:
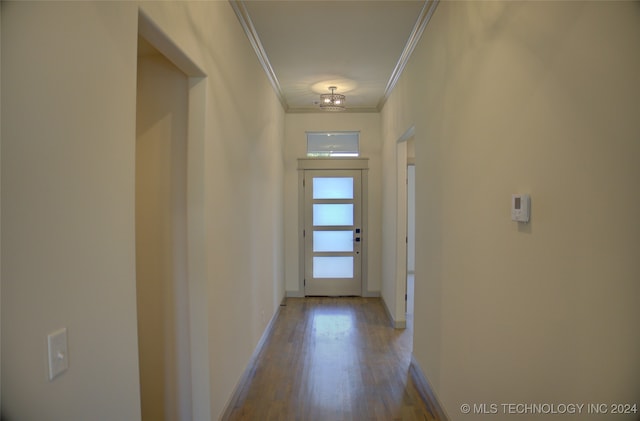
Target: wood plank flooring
x=332 y=359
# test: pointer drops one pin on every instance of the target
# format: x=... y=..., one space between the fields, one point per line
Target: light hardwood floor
x=332 y=359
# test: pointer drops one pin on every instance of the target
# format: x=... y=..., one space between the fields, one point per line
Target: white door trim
x=333 y=163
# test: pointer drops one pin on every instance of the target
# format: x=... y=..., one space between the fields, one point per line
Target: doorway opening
x=405 y=228
x=411 y=229
x=161 y=237
x=170 y=217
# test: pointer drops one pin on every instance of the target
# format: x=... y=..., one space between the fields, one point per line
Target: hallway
x=332 y=359
x=498 y=98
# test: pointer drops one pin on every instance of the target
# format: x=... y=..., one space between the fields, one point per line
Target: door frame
x=334 y=164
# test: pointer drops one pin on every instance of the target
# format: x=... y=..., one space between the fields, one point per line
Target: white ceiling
x=359 y=46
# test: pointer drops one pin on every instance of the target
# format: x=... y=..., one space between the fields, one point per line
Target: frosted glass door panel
x=332 y=215
x=333 y=188
x=333 y=267
x=332 y=241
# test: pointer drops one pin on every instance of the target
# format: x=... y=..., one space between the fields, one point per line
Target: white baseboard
x=300 y=294
x=425 y=390
x=251 y=366
x=397 y=324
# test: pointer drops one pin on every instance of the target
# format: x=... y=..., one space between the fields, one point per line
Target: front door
x=333 y=232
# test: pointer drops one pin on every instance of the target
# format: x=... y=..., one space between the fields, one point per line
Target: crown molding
x=319 y=111
x=423 y=19
x=416 y=33
x=245 y=20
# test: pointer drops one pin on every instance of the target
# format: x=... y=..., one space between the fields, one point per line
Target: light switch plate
x=58 y=355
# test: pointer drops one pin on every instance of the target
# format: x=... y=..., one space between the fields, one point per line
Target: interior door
x=333 y=232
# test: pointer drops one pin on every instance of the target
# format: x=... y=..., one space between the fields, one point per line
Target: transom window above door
x=333 y=144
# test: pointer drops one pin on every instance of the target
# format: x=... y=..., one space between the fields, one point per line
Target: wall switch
x=520 y=207
x=58 y=355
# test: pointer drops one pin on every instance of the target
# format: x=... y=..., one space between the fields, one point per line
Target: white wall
x=296 y=126
x=538 y=98
x=68 y=257
x=69 y=92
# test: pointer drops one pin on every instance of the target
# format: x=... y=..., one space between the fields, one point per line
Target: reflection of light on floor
x=332 y=325
x=334 y=354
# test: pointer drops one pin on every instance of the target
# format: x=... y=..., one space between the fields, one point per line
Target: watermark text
x=541 y=408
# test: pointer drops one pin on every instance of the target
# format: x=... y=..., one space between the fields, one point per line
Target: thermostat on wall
x=520 y=205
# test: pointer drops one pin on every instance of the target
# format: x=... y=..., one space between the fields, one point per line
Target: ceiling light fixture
x=332 y=101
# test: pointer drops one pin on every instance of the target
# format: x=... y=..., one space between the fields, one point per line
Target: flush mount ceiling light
x=332 y=101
